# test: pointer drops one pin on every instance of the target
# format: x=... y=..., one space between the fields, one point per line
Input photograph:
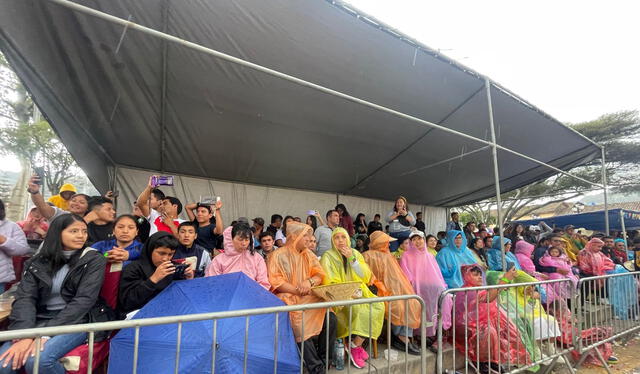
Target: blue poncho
x=451 y=258
x=494 y=255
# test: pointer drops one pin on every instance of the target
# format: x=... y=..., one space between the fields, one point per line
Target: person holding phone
x=209 y=222
x=78 y=204
x=400 y=221
x=147 y=276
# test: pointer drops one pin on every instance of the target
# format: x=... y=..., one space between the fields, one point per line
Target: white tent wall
x=245 y=200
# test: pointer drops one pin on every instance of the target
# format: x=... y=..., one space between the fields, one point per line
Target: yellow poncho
x=332 y=262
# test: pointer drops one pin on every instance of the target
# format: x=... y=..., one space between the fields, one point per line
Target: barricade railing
x=137 y=324
x=607 y=309
x=505 y=328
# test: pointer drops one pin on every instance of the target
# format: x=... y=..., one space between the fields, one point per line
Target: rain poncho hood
x=387 y=271
x=450 y=258
x=58 y=201
x=593 y=261
x=561 y=290
x=484 y=329
x=573 y=246
x=233 y=260
x=421 y=269
x=287 y=264
x=523 y=253
x=494 y=255
x=338 y=270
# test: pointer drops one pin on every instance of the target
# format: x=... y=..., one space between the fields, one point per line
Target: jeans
x=402 y=330
x=54 y=349
x=400 y=235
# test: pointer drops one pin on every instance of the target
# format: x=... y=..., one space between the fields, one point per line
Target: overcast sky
x=574 y=60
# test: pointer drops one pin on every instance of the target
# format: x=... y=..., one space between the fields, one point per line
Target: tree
x=619 y=133
x=33 y=142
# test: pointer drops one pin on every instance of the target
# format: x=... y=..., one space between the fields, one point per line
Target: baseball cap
x=416 y=233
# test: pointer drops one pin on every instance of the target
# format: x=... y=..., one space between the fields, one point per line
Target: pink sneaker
x=356 y=357
x=365 y=355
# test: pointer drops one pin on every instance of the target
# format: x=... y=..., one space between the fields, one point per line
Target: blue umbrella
x=157 y=344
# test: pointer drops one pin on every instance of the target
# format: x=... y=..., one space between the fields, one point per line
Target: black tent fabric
x=119 y=97
x=592 y=220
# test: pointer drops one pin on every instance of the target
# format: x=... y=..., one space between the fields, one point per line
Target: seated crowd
x=154 y=247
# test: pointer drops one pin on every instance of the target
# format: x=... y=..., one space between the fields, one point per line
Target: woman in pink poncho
x=523 y=251
x=484 y=331
x=239 y=255
x=554 y=257
x=422 y=271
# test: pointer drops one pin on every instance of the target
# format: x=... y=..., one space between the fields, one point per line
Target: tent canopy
x=593 y=220
x=119 y=97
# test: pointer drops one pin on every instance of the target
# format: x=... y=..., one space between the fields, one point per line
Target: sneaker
x=365 y=355
x=356 y=357
x=612 y=360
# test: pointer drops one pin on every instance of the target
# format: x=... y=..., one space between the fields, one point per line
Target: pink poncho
x=232 y=260
x=560 y=262
x=523 y=254
x=592 y=261
x=423 y=272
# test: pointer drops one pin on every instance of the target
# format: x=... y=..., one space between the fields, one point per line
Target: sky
x=575 y=60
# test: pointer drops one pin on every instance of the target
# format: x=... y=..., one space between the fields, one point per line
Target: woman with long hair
x=59 y=287
x=346 y=222
x=123 y=247
x=400 y=220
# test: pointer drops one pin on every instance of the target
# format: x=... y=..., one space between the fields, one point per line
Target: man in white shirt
x=323 y=233
x=161 y=211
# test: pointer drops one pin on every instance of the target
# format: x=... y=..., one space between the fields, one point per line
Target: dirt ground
x=628 y=356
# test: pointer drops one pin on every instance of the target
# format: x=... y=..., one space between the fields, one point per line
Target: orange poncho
x=386 y=270
x=287 y=264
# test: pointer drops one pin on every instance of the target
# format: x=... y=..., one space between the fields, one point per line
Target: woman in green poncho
x=508 y=301
x=344 y=264
x=524 y=309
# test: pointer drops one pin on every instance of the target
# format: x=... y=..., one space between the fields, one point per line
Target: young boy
x=193 y=253
x=100 y=219
x=209 y=223
x=266 y=244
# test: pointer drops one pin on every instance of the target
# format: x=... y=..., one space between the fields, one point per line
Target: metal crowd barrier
x=470 y=338
x=607 y=309
x=92 y=328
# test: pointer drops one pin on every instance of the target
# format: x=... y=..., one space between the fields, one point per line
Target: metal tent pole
x=274 y=73
x=604 y=187
x=496 y=173
x=624 y=230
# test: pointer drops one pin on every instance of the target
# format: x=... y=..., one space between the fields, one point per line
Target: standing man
x=323 y=233
x=454 y=224
x=419 y=223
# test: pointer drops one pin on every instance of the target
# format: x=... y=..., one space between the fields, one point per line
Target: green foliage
x=37 y=143
x=619 y=133
x=20 y=136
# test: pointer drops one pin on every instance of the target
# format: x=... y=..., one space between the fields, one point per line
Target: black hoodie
x=136 y=289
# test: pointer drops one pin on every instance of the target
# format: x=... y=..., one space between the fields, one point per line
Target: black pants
x=316 y=348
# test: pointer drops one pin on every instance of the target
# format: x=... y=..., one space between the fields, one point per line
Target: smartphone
x=311 y=212
x=39 y=170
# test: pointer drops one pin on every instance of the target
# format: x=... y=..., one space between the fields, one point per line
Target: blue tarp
x=592 y=221
x=157 y=344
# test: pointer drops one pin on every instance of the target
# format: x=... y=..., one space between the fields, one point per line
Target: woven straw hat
x=337 y=291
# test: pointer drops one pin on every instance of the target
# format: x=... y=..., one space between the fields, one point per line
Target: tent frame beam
x=496 y=172
x=110 y=18
x=604 y=191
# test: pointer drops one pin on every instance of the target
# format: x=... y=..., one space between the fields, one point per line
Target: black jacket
x=80 y=290
x=135 y=287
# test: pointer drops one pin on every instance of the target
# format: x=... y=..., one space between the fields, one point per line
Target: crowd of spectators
x=387 y=256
